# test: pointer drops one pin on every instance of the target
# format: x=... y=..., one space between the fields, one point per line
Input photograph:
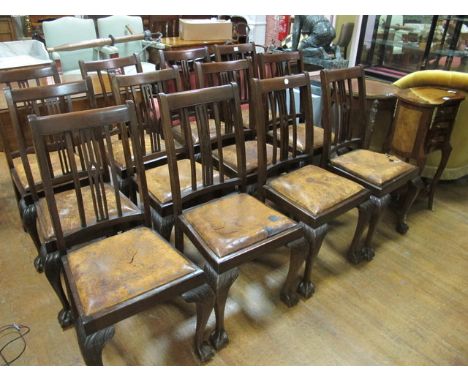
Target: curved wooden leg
x=52 y=270
x=204 y=298
x=298 y=251
x=379 y=205
x=40 y=259
x=446 y=150
x=91 y=345
x=357 y=253
x=163 y=224
x=220 y=283
x=314 y=237
x=29 y=221
x=414 y=187
x=22 y=206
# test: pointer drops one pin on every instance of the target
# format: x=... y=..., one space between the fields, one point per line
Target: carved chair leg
x=446 y=150
x=52 y=270
x=22 y=206
x=91 y=345
x=204 y=298
x=29 y=222
x=162 y=224
x=357 y=253
x=298 y=251
x=40 y=259
x=379 y=205
x=220 y=283
x=414 y=188
x=314 y=237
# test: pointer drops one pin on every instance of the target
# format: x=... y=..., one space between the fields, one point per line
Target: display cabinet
x=391 y=46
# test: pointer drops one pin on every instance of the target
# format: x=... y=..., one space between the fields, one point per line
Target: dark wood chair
x=103 y=69
x=131 y=267
x=240 y=72
x=41 y=100
x=17 y=141
x=346 y=145
x=142 y=89
x=287 y=177
x=234 y=52
x=184 y=59
x=229 y=228
x=279 y=64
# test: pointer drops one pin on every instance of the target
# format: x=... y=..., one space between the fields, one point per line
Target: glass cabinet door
x=393 y=45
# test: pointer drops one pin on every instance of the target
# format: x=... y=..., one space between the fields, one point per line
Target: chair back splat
x=280 y=64
x=344 y=111
x=280 y=121
x=101 y=206
x=220 y=104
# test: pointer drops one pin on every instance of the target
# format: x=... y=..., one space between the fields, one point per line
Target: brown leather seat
x=69 y=214
x=318 y=137
x=377 y=168
x=115 y=269
x=159 y=182
x=35 y=171
x=178 y=136
x=314 y=188
x=251 y=157
x=226 y=228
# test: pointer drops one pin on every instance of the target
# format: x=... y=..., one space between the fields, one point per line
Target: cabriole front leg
x=91 y=345
x=220 y=283
x=379 y=205
x=314 y=237
x=298 y=251
x=357 y=253
x=204 y=298
x=414 y=188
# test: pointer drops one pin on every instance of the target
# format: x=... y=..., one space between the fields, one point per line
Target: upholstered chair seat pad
x=120 y=267
x=314 y=189
x=69 y=214
x=35 y=171
x=159 y=182
x=251 y=156
x=377 y=168
x=179 y=136
x=234 y=222
x=318 y=137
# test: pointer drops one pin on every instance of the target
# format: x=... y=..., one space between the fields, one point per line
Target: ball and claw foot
x=65 y=318
x=367 y=253
x=289 y=299
x=39 y=264
x=402 y=228
x=219 y=339
x=206 y=352
x=306 y=289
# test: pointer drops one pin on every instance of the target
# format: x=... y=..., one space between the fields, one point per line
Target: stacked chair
x=224 y=154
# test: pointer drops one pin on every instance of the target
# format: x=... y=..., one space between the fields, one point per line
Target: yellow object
x=457 y=165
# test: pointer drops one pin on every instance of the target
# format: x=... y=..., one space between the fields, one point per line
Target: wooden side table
x=423 y=123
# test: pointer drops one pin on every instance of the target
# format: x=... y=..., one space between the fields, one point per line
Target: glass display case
x=392 y=46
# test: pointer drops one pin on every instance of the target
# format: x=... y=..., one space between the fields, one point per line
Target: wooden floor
x=409 y=306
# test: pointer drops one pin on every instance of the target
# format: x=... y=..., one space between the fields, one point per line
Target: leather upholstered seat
x=251 y=156
x=318 y=137
x=121 y=267
x=314 y=188
x=34 y=166
x=377 y=168
x=68 y=211
x=226 y=227
x=159 y=183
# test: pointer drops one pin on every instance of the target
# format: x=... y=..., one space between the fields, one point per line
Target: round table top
x=430 y=96
x=375 y=89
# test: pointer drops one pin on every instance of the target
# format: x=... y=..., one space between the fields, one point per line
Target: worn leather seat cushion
x=159 y=182
x=314 y=188
x=318 y=137
x=179 y=136
x=120 y=267
x=251 y=157
x=377 y=168
x=35 y=171
x=234 y=222
x=69 y=215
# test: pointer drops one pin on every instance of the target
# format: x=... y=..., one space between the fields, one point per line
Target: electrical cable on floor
x=20 y=331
